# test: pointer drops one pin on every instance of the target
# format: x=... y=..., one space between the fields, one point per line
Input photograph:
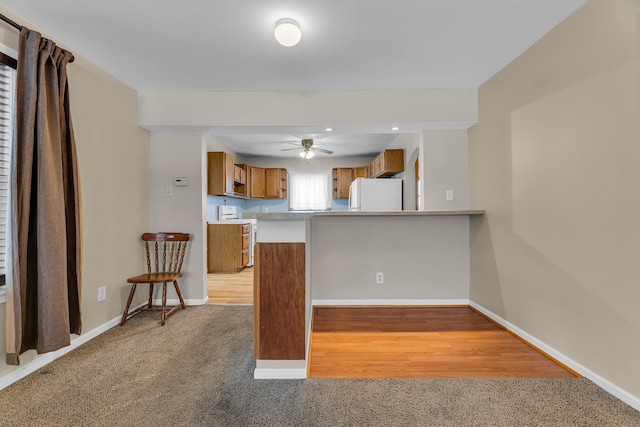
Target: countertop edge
x=298 y=216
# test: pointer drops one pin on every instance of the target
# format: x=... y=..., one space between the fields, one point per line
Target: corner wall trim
x=601 y=382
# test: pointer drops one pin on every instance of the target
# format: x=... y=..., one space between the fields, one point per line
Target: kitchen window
x=309 y=191
x=8 y=66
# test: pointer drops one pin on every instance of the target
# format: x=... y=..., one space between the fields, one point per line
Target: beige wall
x=424 y=259
x=555 y=162
x=113 y=155
x=182 y=154
x=444 y=168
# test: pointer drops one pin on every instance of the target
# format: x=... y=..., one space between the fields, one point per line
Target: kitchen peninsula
x=370 y=258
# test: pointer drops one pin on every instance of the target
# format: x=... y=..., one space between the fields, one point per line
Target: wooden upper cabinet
x=240 y=180
x=361 y=172
x=275 y=183
x=257 y=182
x=220 y=174
x=387 y=163
x=239 y=174
x=342 y=178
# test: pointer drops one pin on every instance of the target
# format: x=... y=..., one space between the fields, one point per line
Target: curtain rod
x=19 y=27
x=10 y=22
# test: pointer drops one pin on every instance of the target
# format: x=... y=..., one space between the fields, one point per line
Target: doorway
x=231 y=288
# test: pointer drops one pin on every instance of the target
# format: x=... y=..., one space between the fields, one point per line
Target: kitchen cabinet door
x=240 y=180
x=342 y=178
x=220 y=174
x=361 y=172
x=276 y=183
x=257 y=182
x=227 y=247
x=387 y=163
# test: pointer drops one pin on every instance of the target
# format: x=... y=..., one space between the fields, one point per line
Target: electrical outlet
x=449 y=194
x=379 y=278
x=102 y=293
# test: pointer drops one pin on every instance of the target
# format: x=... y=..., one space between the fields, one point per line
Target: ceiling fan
x=308 y=149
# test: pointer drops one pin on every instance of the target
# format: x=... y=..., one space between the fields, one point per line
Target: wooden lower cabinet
x=278 y=301
x=227 y=247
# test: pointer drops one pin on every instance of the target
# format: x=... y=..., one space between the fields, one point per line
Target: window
x=309 y=191
x=7 y=119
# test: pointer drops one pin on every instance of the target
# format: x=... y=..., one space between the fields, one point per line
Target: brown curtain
x=43 y=302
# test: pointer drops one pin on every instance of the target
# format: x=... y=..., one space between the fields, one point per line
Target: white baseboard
x=279 y=374
x=176 y=301
x=431 y=302
x=280 y=370
x=46 y=358
x=604 y=384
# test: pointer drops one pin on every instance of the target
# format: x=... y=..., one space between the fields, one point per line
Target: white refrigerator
x=381 y=194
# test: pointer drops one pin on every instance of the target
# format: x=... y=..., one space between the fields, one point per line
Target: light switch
x=168 y=191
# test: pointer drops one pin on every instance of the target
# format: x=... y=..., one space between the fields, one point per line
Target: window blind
x=7 y=120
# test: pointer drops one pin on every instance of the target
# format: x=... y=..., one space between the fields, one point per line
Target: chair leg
x=175 y=285
x=126 y=309
x=164 y=304
x=150 y=295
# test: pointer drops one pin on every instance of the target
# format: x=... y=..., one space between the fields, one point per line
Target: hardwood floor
x=420 y=342
x=234 y=288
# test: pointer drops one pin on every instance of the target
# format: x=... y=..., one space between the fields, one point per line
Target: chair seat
x=154 y=278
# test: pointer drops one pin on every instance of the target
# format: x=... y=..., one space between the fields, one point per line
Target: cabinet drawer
x=246 y=228
x=245 y=241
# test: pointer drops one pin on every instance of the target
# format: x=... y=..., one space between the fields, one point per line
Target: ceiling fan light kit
x=308 y=149
x=287 y=32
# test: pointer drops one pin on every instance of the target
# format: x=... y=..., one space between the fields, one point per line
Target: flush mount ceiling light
x=287 y=32
x=306 y=154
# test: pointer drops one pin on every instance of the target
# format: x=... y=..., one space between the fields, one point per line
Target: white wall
x=182 y=154
x=410 y=143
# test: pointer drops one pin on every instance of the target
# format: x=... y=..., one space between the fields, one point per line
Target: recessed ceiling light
x=329 y=129
x=287 y=32
x=395 y=128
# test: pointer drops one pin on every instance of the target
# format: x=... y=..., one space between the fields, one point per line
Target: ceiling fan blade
x=289 y=149
x=321 y=150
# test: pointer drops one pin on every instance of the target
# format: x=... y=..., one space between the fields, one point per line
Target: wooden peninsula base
x=279 y=301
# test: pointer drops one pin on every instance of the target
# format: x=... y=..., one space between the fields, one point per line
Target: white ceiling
x=216 y=45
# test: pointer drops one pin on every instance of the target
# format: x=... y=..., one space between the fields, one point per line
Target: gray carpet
x=197 y=371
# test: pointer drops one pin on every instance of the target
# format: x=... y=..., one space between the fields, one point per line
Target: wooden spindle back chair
x=165 y=254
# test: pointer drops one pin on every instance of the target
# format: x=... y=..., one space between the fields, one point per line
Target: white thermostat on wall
x=181 y=181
